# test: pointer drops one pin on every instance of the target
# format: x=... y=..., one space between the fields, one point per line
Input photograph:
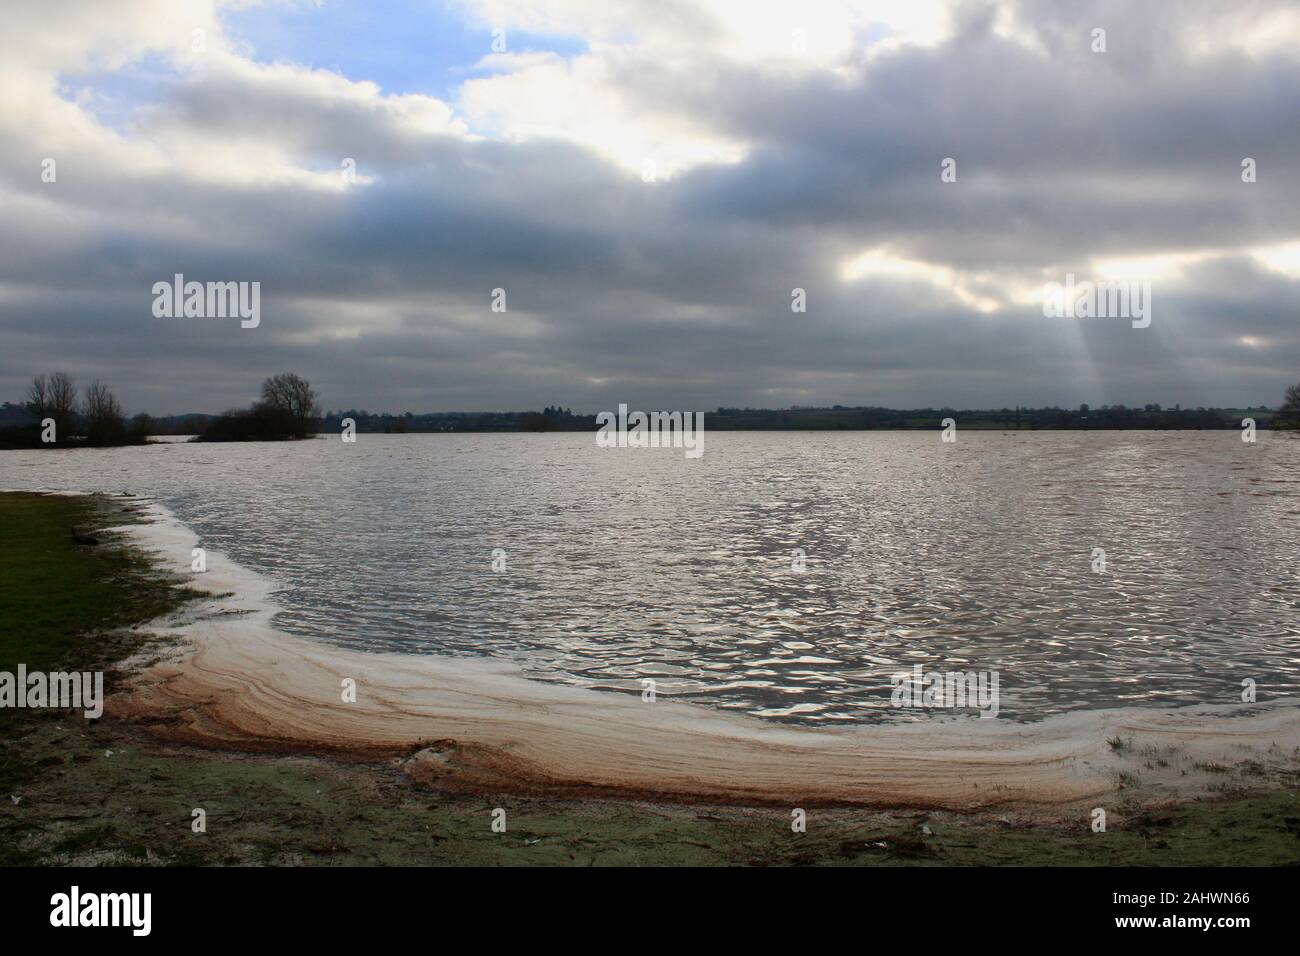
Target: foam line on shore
x=480 y=725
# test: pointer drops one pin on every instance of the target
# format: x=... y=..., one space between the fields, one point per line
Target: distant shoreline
x=18 y=429
x=187 y=438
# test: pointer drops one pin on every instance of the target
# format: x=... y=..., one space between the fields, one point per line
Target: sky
x=648 y=183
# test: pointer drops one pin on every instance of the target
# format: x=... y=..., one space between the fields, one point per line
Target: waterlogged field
x=787 y=575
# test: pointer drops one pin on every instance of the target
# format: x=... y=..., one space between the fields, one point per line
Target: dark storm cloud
x=676 y=294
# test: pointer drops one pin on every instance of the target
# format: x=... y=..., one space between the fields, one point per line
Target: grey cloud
x=677 y=295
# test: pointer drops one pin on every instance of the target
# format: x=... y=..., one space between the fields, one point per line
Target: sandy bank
x=480 y=726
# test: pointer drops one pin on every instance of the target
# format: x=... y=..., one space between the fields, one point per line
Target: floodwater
x=783 y=574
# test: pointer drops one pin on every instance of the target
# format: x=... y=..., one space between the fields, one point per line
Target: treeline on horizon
x=59 y=414
x=832 y=418
x=53 y=416
x=289 y=409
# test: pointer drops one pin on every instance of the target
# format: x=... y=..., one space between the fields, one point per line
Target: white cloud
x=579 y=100
x=592 y=99
x=1283 y=258
x=970 y=289
x=527 y=178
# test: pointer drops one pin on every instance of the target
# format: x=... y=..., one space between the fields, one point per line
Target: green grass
x=291 y=811
x=54 y=593
x=65 y=606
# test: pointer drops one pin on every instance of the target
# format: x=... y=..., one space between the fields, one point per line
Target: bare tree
x=101 y=415
x=55 y=396
x=292 y=396
x=63 y=401
x=1290 y=410
x=38 y=396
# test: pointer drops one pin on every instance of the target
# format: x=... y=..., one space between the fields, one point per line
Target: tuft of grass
x=1127 y=780
x=1214 y=768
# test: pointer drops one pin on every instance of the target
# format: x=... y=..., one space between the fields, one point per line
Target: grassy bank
x=67 y=607
x=61 y=603
x=74 y=791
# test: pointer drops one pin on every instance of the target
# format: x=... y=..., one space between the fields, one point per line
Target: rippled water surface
x=623 y=564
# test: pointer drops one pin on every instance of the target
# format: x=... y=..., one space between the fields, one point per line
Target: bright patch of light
x=878 y=263
x=591 y=99
x=1168 y=266
x=1284 y=258
x=1249 y=30
x=575 y=100
x=755 y=30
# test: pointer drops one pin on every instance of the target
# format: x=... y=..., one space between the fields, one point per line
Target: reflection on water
x=622 y=564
